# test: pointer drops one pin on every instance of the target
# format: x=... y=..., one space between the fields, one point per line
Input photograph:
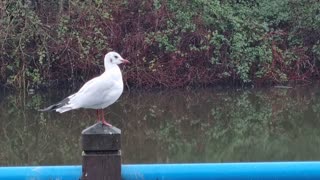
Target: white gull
x=98 y=93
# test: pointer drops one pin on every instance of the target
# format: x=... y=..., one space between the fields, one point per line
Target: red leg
x=103 y=120
x=98 y=115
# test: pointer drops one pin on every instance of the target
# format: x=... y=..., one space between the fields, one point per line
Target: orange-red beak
x=124 y=61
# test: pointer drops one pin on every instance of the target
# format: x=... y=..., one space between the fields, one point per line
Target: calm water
x=205 y=125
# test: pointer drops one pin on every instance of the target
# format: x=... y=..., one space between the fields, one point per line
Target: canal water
x=172 y=126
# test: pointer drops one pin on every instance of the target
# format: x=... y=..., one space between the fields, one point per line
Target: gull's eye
x=116 y=56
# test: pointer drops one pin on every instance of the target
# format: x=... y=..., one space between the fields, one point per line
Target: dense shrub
x=170 y=43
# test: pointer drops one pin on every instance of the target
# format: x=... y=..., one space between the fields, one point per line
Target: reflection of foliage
x=31 y=138
x=172 y=126
x=231 y=126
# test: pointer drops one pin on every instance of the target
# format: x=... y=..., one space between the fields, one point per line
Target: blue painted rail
x=205 y=171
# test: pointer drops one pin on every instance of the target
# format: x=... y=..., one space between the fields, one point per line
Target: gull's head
x=114 y=58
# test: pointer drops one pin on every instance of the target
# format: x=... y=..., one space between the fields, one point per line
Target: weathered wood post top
x=101 y=157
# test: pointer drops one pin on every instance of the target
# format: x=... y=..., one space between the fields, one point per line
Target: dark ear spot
x=110 y=60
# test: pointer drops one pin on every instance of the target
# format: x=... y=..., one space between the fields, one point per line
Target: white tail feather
x=63 y=109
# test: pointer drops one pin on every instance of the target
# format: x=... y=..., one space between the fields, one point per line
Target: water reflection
x=203 y=125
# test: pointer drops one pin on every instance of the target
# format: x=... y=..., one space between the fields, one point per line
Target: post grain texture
x=101 y=158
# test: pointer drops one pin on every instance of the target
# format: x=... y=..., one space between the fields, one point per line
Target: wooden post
x=101 y=156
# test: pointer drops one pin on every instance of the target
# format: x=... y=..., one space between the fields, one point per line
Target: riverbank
x=170 y=44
